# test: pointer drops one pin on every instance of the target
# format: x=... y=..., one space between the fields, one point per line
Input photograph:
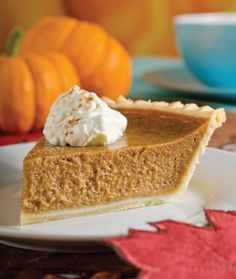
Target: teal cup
x=207 y=44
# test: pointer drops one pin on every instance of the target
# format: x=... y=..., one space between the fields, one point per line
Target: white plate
x=213 y=186
x=177 y=78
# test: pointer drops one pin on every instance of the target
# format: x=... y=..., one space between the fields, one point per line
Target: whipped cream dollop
x=81 y=118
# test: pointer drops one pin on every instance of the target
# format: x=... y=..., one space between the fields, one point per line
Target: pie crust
x=41 y=177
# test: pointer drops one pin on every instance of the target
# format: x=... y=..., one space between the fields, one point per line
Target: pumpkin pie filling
x=150 y=161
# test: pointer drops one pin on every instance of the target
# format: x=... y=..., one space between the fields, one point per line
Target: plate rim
x=179 y=65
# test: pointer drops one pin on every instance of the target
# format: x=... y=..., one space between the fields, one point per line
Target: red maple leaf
x=179 y=250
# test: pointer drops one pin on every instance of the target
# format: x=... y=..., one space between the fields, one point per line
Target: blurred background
x=143 y=26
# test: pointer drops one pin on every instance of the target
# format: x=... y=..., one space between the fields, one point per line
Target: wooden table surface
x=20 y=263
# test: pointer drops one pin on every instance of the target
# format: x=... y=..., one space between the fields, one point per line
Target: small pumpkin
x=29 y=84
x=102 y=63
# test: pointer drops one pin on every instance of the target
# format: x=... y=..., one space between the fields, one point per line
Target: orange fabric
x=25 y=13
x=143 y=26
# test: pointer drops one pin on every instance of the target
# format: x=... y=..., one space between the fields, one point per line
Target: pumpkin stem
x=13 y=41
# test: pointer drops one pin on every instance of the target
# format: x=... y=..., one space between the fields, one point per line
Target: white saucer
x=177 y=78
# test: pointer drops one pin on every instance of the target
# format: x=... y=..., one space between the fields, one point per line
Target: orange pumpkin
x=102 y=64
x=28 y=86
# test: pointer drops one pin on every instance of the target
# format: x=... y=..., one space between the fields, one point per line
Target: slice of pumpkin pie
x=101 y=155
